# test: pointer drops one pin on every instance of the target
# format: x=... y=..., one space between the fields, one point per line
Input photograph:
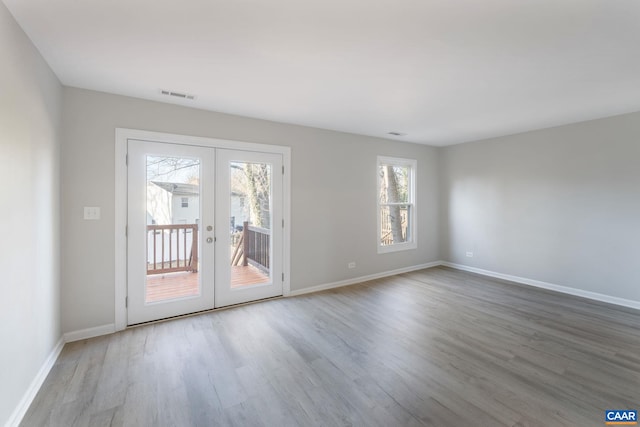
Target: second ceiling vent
x=177 y=94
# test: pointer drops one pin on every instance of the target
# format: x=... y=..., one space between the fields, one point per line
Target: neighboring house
x=172 y=203
x=239 y=209
x=176 y=203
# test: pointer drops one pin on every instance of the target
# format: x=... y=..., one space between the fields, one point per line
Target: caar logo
x=620 y=417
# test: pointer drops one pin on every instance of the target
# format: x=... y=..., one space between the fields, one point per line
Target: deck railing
x=172 y=248
x=386 y=233
x=252 y=247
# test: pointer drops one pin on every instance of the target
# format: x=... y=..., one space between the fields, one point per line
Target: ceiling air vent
x=397 y=134
x=177 y=94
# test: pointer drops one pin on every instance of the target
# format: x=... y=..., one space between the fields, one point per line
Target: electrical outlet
x=470 y=254
x=352 y=264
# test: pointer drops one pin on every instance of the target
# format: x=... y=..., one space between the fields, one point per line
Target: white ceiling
x=441 y=71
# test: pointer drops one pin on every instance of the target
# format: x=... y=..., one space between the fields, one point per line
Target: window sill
x=397 y=247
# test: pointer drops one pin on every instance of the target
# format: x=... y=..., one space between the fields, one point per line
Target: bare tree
x=259 y=193
x=166 y=168
x=392 y=193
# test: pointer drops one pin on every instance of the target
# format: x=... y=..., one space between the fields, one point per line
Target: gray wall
x=30 y=100
x=560 y=205
x=333 y=195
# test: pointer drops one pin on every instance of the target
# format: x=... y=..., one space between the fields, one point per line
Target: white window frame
x=412 y=164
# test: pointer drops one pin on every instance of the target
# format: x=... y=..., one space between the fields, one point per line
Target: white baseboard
x=16 y=417
x=550 y=286
x=84 y=334
x=361 y=279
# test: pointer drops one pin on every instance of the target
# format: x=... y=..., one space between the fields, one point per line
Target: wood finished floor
x=435 y=347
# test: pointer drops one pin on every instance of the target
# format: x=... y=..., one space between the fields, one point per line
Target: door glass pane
x=250 y=223
x=173 y=215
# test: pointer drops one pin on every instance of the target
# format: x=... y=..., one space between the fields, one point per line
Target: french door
x=249 y=223
x=203 y=228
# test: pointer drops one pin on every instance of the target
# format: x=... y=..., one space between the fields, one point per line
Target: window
x=185 y=202
x=396 y=204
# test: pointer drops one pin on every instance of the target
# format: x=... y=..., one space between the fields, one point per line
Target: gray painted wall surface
x=333 y=195
x=30 y=101
x=560 y=205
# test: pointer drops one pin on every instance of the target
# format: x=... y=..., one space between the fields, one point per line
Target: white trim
x=361 y=279
x=172 y=138
x=516 y=279
x=550 y=286
x=412 y=164
x=120 y=230
x=84 y=334
x=121 y=137
x=286 y=216
x=27 y=399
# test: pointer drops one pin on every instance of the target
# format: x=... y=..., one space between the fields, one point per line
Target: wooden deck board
x=183 y=284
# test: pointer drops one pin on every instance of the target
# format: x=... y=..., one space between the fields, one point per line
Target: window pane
x=394 y=224
x=250 y=219
x=172 y=228
x=394 y=184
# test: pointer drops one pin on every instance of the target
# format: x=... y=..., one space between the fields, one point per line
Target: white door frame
x=122 y=136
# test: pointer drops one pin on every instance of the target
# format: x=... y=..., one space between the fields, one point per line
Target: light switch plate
x=91 y=212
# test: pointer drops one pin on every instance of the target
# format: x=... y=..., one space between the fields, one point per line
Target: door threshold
x=198 y=313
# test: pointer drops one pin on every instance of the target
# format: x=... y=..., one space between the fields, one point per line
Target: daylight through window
x=396 y=204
